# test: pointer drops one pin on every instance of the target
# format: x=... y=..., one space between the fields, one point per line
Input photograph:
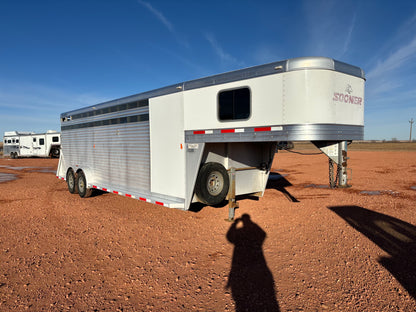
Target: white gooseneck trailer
x=30 y=144
x=177 y=145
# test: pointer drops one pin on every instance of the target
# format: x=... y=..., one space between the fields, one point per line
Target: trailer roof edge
x=294 y=64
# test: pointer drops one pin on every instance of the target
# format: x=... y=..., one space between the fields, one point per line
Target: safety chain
x=331 y=173
x=333 y=181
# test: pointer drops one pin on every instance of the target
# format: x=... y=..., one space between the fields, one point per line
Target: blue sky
x=57 y=56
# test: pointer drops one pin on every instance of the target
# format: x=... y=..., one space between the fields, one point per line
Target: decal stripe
x=239 y=130
x=260 y=129
x=147 y=200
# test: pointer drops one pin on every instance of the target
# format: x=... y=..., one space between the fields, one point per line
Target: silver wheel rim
x=71 y=181
x=81 y=184
x=215 y=183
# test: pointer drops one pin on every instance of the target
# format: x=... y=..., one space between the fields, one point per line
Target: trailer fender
x=87 y=173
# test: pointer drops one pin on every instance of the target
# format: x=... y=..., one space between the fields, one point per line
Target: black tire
x=55 y=153
x=212 y=183
x=83 y=191
x=71 y=181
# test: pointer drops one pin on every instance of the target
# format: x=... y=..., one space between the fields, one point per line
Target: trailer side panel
x=107 y=146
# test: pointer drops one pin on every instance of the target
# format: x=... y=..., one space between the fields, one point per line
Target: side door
x=26 y=146
x=39 y=145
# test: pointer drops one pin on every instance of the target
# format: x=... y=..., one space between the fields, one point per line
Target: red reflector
x=159 y=203
x=199 y=132
x=104 y=189
x=128 y=195
x=115 y=192
x=143 y=199
x=262 y=129
x=94 y=186
x=227 y=130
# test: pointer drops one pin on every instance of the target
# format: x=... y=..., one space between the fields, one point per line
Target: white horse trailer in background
x=29 y=144
x=206 y=139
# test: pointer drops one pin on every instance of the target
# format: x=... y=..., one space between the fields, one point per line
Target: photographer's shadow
x=251 y=281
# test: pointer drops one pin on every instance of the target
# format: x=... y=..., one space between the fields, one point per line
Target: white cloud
x=401 y=52
x=225 y=57
x=329 y=33
x=349 y=35
x=37 y=97
x=35 y=107
x=161 y=17
x=398 y=59
x=264 y=54
x=392 y=74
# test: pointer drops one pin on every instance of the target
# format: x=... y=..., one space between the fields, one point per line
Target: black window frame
x=55 y=139
x=41 y=141
x=223 y=111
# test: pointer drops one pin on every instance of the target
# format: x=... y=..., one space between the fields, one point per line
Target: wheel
x=71 y=182
x=212 y=183
x=81 y=182
x=54 y=153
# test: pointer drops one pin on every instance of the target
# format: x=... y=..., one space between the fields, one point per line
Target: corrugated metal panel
x=117 y=155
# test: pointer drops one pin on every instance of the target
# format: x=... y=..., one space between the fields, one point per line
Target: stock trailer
x=212 y=139
x=29 y=144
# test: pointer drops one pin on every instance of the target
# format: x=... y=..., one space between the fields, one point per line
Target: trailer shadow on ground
x=276 y=181
x=197 y=207
x=96 y=193
x=394 y=236
x=279 y=182
x=250 y=280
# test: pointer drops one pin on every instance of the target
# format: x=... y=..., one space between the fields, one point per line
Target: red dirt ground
x=302 y=247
